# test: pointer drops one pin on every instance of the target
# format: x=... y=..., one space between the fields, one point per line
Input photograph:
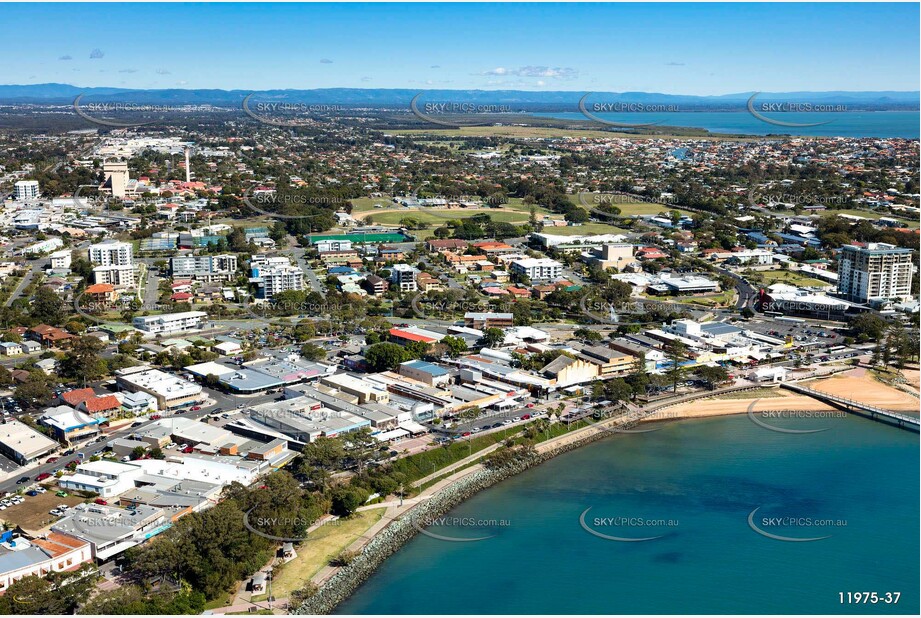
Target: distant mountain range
x=392 y=97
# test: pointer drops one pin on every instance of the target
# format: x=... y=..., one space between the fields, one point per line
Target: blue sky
x=672 y=48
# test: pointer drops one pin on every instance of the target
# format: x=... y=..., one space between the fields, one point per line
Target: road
x=227 y=402
x=35 y=266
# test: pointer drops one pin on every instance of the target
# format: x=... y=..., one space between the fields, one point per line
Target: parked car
x=155 y=417
x=43 y=476
x=62 y=494
x=51 y=460
x=188 y=449
x=101 y=501
x=31 y=492
x=525 y=417
x=195 y=408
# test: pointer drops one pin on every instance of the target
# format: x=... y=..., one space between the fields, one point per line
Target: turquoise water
x=706 y=476
x=840 y=124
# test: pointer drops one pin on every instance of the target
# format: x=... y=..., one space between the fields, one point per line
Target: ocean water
x=840 y=124
x=693 y=485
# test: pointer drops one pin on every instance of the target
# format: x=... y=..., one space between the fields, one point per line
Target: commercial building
x=206 y=268
x=110 y=530
x=68 y=424
x=170 y=322
x=56 y=553
x=121 y=276
x=61 y=260
x=26 y=190
x=116 y=180
x=111 y=253
x=686 y=284
x=538 y=269
x=611 y=256
x=171 y=392
x=403 y=277
x=106 y=478
x=365 y=391
x=274 y=275
x=45 y=246
x=874 y=271
x=608 y=360
x=23 y=444
x=481 y=320
x=429 y=373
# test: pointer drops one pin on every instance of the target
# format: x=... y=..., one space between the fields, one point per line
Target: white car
x=55 y=512
x=3 y=507
x=40 y=489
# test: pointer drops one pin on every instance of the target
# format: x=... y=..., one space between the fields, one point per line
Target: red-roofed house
x=50 y=336
x=650 y=253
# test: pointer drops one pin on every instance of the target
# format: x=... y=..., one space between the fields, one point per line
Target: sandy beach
x=857 y=384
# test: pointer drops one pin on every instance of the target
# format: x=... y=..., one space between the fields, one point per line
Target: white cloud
x=535 y=71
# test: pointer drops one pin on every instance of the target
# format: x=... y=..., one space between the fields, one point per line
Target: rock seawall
x=389 y=540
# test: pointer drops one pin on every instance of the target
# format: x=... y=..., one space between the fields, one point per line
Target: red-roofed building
x=50 y=336
x=181 y=296
x=105 y=405
x=650 y=253
x=518 y=292
x=403 y=337
x=57 y=552
x=101 y=293
x=77 y=396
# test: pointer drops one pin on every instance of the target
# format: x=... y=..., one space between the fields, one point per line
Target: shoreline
x=390 y=539
x=450 y=492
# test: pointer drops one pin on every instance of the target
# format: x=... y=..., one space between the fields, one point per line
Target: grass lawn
x=770 y=277
x=363 y=204
x=316 y=552
x=869 y=214
x=626 y=209
x=585 y=229
x=439 y=217
x=711 y=300
x=758 y=393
